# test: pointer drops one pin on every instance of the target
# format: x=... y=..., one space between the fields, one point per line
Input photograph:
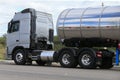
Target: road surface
x=10 y=71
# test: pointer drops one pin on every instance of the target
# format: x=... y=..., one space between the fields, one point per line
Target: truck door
x=13 y=35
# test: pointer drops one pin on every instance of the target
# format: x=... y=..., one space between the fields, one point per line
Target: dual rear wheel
x=86 y=59
x=69 y=60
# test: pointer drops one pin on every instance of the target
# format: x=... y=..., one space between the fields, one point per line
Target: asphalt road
x=10 y=71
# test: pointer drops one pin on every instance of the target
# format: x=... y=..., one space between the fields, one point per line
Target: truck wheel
x=40 y=63
x=106 y=63
x=87 y=59
x=67 y=58
x=19 y=57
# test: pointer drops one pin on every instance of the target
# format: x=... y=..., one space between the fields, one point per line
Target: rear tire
x=87 y=59
x=19 y=57
x=40 y=63
x=67 y=58
x=106 y=63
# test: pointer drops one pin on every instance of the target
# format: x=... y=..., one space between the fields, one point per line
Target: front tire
x=19 y=57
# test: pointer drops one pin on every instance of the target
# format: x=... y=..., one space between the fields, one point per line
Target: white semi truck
x=30 y=37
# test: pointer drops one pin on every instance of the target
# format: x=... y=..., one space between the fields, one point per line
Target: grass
x=2 y=52
x=57 y=44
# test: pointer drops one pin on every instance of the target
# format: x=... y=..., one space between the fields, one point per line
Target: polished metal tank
x=103 y=22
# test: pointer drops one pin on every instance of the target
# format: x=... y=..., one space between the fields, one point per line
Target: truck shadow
x=57 y=65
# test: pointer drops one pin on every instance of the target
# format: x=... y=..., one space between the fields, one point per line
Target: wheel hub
x=19 y=57
x=66 y=58
x=86 y=59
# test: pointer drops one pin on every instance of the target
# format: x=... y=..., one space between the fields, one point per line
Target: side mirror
x=9 y=25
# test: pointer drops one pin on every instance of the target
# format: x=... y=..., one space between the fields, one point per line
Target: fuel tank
x=101 y=23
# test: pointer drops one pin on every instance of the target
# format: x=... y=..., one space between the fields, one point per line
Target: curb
x=6 y=61
x=116 y=67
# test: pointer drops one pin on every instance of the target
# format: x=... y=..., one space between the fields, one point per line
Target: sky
x=54 y=7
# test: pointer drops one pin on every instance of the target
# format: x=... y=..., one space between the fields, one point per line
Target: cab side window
x=14 y=26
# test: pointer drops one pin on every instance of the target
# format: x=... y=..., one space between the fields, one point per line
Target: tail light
x=99 y=54
x=118 y=45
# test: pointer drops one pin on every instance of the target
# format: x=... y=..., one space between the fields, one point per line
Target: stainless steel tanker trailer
x=89 y=27
x=81 y=30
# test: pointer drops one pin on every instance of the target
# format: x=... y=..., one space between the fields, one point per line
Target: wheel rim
x=86 y=59
x=66 y=59
x=19 y=57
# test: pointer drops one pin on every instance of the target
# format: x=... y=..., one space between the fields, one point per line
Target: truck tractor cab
x=30 y=29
